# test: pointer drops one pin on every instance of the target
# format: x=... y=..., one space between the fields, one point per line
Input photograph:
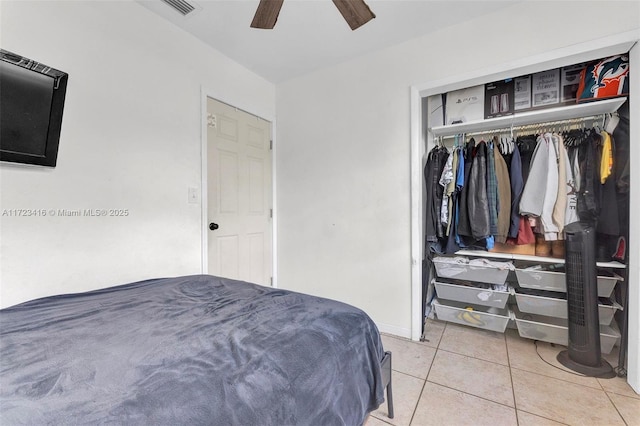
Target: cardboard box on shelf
x=529 y=249
x=499 y=98
x=569 y=82
x=522 y=93
x=546 y=88
x=465 y=105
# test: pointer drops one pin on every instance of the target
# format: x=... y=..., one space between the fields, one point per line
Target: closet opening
x=516 y=270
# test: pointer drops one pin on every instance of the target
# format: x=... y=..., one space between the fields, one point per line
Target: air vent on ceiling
x=181 y=6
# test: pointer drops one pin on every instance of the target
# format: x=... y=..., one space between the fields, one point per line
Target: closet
x=480 y=289
x=495 y=286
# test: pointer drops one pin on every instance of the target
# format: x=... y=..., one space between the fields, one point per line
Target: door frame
x=206 y=93
x=421 y=142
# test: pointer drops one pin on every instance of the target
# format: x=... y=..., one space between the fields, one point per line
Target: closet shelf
x=540 y=259
x=532 y=117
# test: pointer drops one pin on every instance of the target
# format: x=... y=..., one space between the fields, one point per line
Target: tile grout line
x=616 y=408
x=410 y=375
x=635 y=396
x=470 y=394
x=474 y=357
x=544 y=417
x=513 y=389
x=424 y=384
x=454 y=389
x=569 y=371
x=560 y=379
x=600 y=387
x=530 y=372
x=511 y=368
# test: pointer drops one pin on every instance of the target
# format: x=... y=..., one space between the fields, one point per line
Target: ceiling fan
x=355 y=12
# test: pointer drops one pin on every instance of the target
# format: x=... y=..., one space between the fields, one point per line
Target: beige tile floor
x=467 y=376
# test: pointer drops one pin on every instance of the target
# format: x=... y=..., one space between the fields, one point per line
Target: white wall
x=130 y=140
x=344 y=148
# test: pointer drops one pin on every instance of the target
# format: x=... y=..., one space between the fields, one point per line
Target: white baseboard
x=394 y=330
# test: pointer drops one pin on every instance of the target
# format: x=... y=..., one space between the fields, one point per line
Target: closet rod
x=580 y=120
x=580 y=110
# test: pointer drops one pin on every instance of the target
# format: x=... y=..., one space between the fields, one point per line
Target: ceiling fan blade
x=266 y=14
x=355 y=12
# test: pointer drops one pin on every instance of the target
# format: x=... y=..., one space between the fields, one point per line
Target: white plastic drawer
x=556 y=330
x=555 y=281
x=474 y=295
x=494 y=319
x=556 y=307
x=470 y=272
x=606 y=285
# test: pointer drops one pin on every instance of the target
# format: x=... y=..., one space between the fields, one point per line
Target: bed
x=190 y=350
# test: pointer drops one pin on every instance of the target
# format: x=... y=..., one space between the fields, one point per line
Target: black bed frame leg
x=387 y=375
x=390 y=400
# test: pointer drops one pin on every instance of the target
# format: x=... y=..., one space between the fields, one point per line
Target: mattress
x=188 y=350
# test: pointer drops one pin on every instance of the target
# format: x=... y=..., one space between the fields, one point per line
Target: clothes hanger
x=612 y=122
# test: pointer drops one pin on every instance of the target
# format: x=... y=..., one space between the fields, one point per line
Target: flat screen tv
x=31 y=103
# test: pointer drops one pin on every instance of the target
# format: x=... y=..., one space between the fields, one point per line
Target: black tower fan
x=583 y=354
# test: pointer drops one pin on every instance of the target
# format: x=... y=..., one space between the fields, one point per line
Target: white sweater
x=549 y=228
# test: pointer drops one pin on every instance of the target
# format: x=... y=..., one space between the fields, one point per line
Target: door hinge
x=271 y=213
x=271 y=145
x=271 y=281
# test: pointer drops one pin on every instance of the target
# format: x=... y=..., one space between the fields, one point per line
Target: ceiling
x=311 y=34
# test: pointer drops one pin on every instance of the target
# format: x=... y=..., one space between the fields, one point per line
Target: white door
x=239 y=194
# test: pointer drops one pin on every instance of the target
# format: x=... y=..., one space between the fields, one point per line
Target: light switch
x=194 y=195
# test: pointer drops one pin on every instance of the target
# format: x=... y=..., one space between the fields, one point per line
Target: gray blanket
x=197 y=350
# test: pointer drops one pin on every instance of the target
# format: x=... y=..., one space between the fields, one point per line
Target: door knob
x=213 y=226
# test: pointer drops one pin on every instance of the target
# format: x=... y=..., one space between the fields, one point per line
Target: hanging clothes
x=453 y=240
x=573 y=187
x=620 y=134
x=503 y=197
x=526 y=146
x=492 y=189
x=464 y=225
x=560 y=207
x=477 y=202
x=432 y=172
x=450 y=191
x=621 y=155
x=536 y=184
x=517 y=184
x=460 y=176
x=606 y=161
x=525 y=232
x=588 y=197
x=448 y=182
x=608 y=221
x=548 y=227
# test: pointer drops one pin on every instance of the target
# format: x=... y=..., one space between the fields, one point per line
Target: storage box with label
x=546 y=88
x=499 y=98
x=522 y=93
x=569 y=82
x=465 y=105
x=606 y=78
x=435 y=106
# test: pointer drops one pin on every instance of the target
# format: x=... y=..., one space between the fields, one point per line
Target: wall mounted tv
x=31 y=103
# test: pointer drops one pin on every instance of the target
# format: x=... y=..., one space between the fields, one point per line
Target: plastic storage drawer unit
x=557 y=308
x=555 y=281
x=493 y=319
x=471 y=270
x=474 y=295
x=556 y=330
